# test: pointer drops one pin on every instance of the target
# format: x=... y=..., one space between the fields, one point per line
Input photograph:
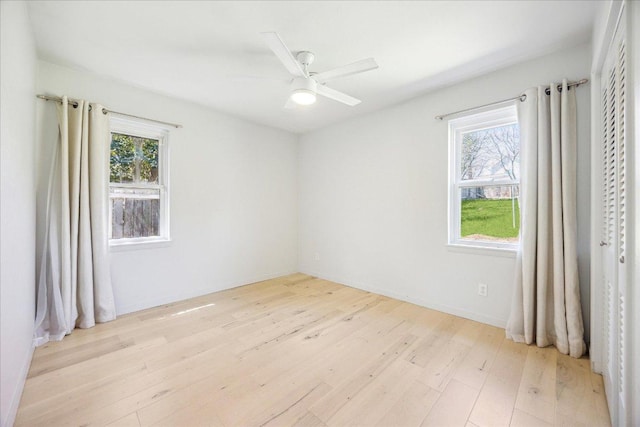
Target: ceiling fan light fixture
x=303 y=96
x=303 y=91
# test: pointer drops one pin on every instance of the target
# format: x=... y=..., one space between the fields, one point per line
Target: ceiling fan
x=307 y=84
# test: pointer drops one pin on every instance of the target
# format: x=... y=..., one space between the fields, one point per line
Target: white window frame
x=145 y=129
x=496 y=117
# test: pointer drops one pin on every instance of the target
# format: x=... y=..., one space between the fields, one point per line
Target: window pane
x=147 y=153
x=492 y=153
x=490 y=213
x=122 y=163
x=135 y=212
x=133 y=159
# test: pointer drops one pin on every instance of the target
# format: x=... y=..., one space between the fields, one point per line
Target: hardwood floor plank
x=76 y=355
x=476 y=366
x=453 y=406
x=599 y=407
x=434 y=342
x=412 y=407
x=311 y=352
x=296 y=410
x=577 y=400
x=423 y=320
x=130 y=420
x=443 y=365
x=153 y=408
x=299 y=350
x=341 y=395
x=370 y=405
x=195 y=418
x=97 y=409
x=537 y=392
x=510 y=359
x=89 y=371
x=309 y=420
x=524 y=419
x=494 y=406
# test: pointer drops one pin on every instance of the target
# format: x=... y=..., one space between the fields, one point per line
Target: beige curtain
x=546 y=307
x=74 y=282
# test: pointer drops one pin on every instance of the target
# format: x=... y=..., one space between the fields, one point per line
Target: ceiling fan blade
x=337 y=95
x=283 y=53
x=347 y=70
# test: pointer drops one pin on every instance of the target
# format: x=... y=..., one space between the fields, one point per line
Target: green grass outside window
x=489 y=219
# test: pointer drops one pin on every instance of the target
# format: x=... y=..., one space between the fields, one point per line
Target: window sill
x=134 y=245
x=482 y=250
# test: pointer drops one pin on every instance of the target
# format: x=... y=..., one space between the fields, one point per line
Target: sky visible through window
x=492 y=153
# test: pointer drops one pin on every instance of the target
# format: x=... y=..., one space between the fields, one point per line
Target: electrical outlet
x=483 y=289
x=317 y=256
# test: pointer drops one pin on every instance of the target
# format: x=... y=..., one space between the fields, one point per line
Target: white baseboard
x=478 y=317
x=17 y=392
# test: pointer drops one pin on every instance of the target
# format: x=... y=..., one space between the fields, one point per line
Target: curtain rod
x=74 y=102
x=521 y=97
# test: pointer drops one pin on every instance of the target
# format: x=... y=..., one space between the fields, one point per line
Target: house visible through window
x=138 y=191
x=485 y=179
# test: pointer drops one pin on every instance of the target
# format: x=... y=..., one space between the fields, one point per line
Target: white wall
x=17 y=203
x=233 y=194
x=373 y=197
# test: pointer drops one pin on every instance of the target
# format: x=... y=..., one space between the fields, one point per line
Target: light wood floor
x=303 y=351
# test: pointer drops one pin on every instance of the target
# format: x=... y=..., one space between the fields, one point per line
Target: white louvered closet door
x=616 y=359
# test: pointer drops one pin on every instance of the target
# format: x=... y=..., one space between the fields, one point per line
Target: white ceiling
x=204 y=51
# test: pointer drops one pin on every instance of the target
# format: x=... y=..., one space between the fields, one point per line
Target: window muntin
x=138 y=183
x=485 y=179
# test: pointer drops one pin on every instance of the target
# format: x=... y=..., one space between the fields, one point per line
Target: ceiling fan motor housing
x=305 y=58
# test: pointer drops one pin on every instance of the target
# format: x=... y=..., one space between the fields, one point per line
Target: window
x=138 y=183
x=485 y=179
